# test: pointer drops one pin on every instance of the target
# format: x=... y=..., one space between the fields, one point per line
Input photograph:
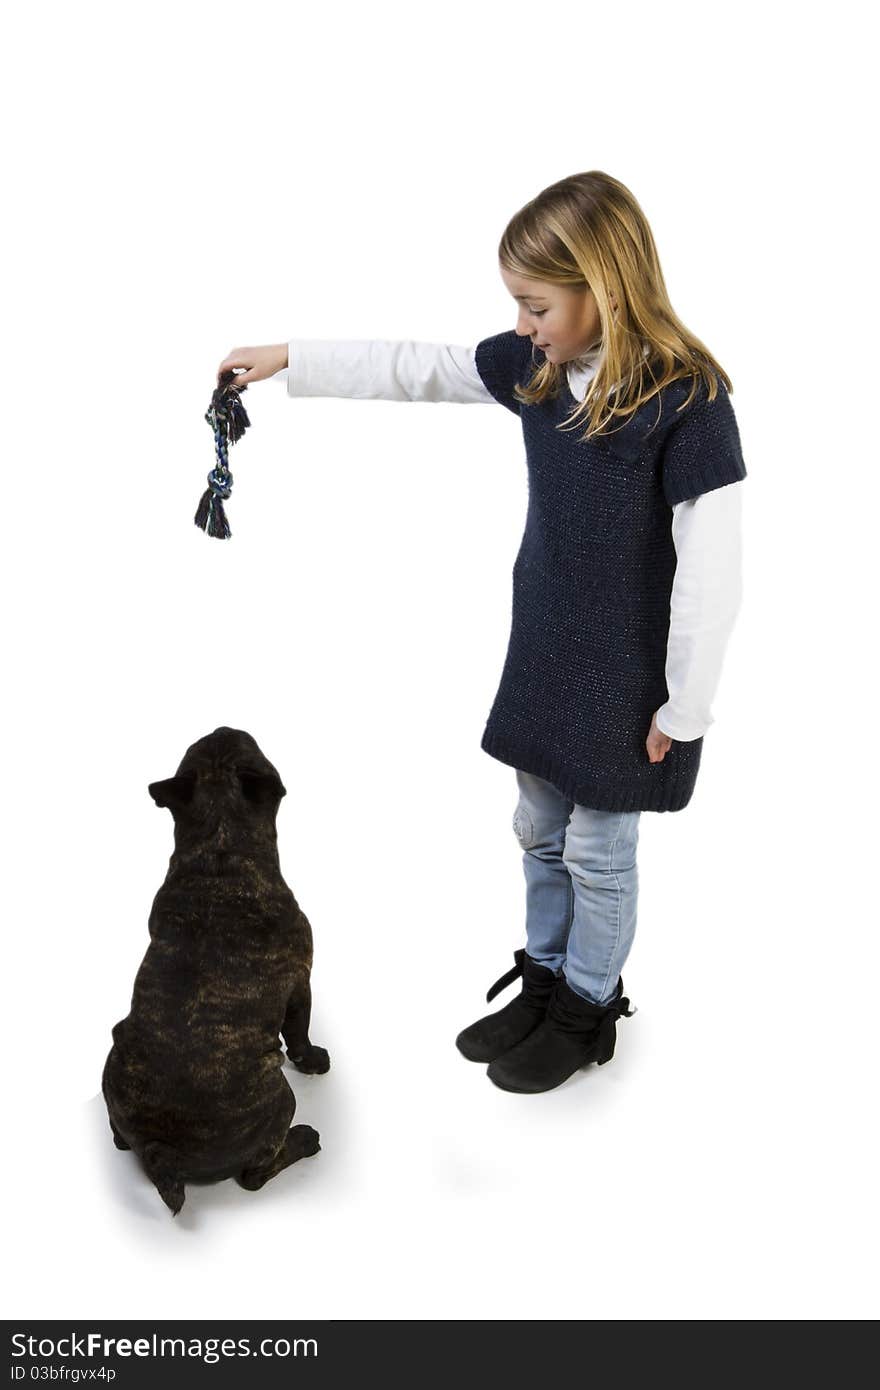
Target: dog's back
x=193 y=1083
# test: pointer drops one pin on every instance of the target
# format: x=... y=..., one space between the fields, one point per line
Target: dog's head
x=224 y=772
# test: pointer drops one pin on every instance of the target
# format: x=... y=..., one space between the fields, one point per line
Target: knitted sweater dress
x=585 y=665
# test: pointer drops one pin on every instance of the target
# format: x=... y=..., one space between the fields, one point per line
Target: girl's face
x=563 y=320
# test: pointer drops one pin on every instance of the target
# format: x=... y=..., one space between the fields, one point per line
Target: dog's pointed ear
x=261 y=787
x=174 y=792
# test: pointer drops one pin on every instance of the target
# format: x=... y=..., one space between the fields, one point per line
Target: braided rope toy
x=228 y=419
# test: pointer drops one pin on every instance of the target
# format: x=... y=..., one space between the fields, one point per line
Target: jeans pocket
x=523 y=826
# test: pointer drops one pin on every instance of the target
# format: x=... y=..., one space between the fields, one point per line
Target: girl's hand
x=657 y=743
x=258 y=362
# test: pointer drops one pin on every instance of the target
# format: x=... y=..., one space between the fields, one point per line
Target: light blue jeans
x=581 y=886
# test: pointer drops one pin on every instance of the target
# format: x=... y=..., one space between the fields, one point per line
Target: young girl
x=625 y=588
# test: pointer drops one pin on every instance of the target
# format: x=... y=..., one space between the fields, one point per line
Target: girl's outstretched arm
x=379 y=369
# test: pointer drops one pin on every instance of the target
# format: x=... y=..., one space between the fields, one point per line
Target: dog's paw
x=313 y=1061
x=306 y=1140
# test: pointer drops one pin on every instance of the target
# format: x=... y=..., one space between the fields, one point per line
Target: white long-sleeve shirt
x=706 y=530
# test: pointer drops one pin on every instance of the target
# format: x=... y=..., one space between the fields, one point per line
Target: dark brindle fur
x=193 y=1083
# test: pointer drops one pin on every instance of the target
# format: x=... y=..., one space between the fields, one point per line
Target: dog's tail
x=160 y=1163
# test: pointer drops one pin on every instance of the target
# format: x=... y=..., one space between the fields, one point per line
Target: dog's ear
x=174 y=792
x=263 y=788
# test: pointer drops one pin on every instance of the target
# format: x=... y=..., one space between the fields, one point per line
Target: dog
x=193 y=1083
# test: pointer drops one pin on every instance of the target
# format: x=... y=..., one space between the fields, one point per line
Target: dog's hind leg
x=304 y=1055
x=107 y=1093
x=117 y=1137
x=161 y=1168
x=300 y=1142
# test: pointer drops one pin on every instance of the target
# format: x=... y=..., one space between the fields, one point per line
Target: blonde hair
x=588 y=231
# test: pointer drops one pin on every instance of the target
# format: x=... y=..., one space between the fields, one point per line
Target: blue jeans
x=581 y=886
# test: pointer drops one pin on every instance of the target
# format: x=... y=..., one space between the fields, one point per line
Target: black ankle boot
x=573 y=1033
x=489 y=1037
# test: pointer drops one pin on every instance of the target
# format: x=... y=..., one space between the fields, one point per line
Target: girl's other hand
x=657 y=743
x=258 y=362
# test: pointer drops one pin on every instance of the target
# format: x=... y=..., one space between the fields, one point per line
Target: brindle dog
x=193 y=1083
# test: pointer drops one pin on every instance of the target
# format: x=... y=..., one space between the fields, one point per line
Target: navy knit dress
x=592 y=583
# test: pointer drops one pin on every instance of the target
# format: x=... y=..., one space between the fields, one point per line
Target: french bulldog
x=193 y=1083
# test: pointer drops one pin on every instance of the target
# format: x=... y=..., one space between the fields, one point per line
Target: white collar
x=591 y=357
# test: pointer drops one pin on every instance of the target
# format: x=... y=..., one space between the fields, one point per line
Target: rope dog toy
x=228 y=419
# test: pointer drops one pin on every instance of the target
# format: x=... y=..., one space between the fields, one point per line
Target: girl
x=625 y=588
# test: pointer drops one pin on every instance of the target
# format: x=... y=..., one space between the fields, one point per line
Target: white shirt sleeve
x=706 y=597
x=375 y=369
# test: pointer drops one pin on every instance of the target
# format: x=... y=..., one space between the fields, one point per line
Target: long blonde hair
x=588 y=231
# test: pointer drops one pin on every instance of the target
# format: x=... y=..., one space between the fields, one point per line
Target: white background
x=186 y=179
